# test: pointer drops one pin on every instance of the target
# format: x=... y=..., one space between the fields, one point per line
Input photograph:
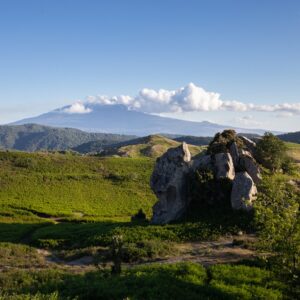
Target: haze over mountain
x=118 y=119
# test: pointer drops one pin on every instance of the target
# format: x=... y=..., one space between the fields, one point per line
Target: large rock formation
x=228 y=158
x=168 y=182
x=243 y=192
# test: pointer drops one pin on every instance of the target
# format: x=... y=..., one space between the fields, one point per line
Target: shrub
x=278 y=220
x=271 y=152
x=139 y=216
x=222 y=141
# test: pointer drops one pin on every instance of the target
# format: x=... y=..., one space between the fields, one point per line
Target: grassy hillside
x=150 y=146
x=294 y=151
x=67 y=185
x=33 y=137
x=62 y=199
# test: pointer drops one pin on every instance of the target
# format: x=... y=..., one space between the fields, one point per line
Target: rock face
x=232 y=160
x=223 y=166
x=234 y=152
x=203 y=162
x=248 y=164
x=250 y=145
x=243 y=192
x=168 y=182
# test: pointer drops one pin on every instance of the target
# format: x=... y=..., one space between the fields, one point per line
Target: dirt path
x=224 y=250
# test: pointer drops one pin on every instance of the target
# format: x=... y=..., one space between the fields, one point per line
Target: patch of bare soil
x=225 y=250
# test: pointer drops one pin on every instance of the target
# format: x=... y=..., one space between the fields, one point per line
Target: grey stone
x=168 y=182
x=223 y=166
x=243 y=192
x=234 y=152
x=248 y=164
x=250 y=145
x=203 y=162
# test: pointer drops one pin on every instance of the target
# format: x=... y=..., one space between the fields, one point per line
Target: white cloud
x=190 y=98
x=77 y=108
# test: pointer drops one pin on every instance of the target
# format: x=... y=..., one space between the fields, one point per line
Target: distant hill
x=293 y=137
x=120 y=120
x=32 y=137
x=149 y=146
x=194 y=140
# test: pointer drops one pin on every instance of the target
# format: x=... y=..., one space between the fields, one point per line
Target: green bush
x=271 y=152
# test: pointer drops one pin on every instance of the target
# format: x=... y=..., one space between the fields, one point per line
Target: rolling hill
x=150 y=146
x=32 y=137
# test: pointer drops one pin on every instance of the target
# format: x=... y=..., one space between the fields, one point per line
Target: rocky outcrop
x=243 y=192
x=168 y=182
x=223 y=166
x=230 y=158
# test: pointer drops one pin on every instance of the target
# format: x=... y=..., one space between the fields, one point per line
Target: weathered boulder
x=223 y=166
x=243 y=192
x=202 y=162
x=248 y=164
x=168 y=181
x=250 y=145
x=234 y=152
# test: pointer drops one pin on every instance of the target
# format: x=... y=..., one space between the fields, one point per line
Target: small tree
x=271 y=152
x=116 y=254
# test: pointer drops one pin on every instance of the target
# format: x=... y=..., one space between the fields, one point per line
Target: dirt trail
x=223 y=250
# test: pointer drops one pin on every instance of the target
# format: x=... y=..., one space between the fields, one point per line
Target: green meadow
x=72 y=206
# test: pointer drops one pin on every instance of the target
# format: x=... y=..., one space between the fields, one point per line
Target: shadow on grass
x=170 y=282
x=204 y=224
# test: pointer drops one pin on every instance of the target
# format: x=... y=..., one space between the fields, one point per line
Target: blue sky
x=54 y=52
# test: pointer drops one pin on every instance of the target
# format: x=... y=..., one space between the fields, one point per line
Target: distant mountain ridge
x=33 y=137
x=293 y=137
x=118 y=119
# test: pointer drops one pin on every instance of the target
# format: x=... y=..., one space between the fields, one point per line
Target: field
x=58 y=210
x=294 y=151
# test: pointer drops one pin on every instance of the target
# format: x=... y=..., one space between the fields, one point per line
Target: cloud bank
x=77 y=108
x=190 y=98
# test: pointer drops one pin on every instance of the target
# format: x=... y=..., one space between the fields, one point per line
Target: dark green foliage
x=116 y=250
x=222 y=141
x=271 y=152
x=278 y=221
x=204 y=190
x=177 y=281
x=33 y=137
x=139 y=216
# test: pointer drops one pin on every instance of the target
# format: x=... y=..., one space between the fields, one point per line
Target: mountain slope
x=293 y=137
x=32 y=137
x=118 y=119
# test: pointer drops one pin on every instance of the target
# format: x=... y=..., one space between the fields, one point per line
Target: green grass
x=67 y=185
x=177 y=281
x=69 y=201
x=153 y=146
x=294 y=151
